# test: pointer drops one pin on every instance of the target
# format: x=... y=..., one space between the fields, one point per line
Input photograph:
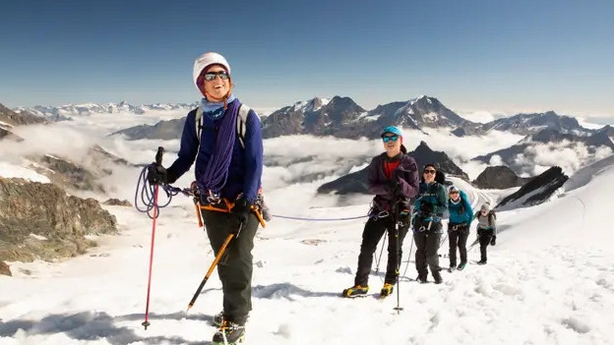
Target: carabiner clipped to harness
x=379 y=215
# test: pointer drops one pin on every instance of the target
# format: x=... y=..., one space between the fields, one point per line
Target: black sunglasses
x=390 y=137
x=209 y=76
x=429 y=171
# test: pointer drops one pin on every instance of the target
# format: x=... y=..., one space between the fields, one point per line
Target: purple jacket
x=406 y=174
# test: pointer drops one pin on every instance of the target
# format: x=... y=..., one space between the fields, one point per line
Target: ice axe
x=215 y=262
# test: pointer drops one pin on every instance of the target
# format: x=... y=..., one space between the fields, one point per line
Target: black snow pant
x=235 y=266
x=427 y=245
x=371 y=235
x=484 y=237
x=457 y=238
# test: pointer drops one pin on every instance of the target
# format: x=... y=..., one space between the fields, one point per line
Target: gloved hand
x=156 y=174
x=493 y=240
x=240 y=214
x=426 y=209
x=395 y=189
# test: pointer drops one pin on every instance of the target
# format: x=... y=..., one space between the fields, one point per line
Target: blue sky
x=499 y=56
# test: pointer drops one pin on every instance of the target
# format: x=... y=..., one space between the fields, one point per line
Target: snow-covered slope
x=549 y=279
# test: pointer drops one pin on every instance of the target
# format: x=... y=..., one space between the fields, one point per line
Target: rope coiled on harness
x=144 y=196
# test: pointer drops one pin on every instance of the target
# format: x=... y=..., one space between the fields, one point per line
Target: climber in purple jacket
x=393 y=178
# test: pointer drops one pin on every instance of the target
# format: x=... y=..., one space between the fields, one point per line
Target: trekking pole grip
x=159 y=155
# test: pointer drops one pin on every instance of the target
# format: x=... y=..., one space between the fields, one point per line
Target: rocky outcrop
x=10 y=119
x=18 y=119
x=423 y=155
x=40 y=221
x=536 y=191
x=498 y=177
x=70 y=175
x=82 y=175
x=356 y=182
x=5 y=269
x=117 y=202
x=4 y=133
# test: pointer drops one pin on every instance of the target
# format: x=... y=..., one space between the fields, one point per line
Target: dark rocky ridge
x=40 y=221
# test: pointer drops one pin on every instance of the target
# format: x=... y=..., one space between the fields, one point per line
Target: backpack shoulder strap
x=241 y=122
x=491 y=215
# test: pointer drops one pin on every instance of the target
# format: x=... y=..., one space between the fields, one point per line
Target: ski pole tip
x=145 y=324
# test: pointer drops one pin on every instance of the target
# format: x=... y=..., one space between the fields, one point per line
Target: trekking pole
x=153 y=236
x=381 y=252
x=395 y=215
x=411 y=247
x=217 y=259
x=443 y=239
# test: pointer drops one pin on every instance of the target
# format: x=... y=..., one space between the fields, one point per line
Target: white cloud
x=480 y=116
x=569 y=156
x=462 y=149
x=496 y=160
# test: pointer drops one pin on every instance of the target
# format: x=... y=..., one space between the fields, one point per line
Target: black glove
x=239 y=214
x=395 y=189
x=156 y=174
x=427 y=209
x=493 y=240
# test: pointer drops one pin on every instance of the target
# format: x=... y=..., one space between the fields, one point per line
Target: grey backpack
x=241 y=120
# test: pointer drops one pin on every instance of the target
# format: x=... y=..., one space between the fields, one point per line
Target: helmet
x=393 y=130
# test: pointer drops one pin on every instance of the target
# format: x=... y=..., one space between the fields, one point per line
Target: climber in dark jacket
x=429 y=208
x=393 y=178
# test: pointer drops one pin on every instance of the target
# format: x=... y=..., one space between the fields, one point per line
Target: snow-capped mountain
x=526 y=124
x=69 y=110
x=418 y=113
x=10 y=118
x=342 y=117
x=550 y=147
x=316 y=116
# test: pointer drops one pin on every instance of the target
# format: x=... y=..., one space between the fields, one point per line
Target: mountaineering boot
x=218 y=319
x=437 y=277
x=461 y=266
x=355 y=291
x=452 y=268
x=386 y=290
x=482 y=262
x=229 y=333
